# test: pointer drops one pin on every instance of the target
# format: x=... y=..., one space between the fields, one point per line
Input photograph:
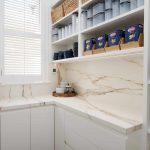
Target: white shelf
x=122 y=20
x=66 y=19
x=109 y=55
x=68 y=39
x=89 y=3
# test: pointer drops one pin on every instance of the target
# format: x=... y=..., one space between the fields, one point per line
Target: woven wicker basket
x=70 y=5
x=57 y=13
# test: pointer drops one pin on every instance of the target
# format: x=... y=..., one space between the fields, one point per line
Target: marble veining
x=114 y=85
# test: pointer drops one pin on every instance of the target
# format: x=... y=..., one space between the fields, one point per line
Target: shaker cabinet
x=29 y=129
x=15 y=130
x=77 y=132
x=42 y=128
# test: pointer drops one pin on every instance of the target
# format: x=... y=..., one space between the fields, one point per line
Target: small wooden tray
x=89 y=52
x=98 y=51
x=139 y=43
x=115 y=47
x=68 y=94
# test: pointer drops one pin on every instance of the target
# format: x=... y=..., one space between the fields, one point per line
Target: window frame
x=25 y=79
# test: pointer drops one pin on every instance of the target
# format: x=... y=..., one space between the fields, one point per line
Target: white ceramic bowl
x=60 y=90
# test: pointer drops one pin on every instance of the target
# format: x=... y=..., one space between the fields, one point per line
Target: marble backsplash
x=114 y=85
x=25 y=91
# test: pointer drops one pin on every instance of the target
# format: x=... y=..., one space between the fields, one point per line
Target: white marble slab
x=78 y=106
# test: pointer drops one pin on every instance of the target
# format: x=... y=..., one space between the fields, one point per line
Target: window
x=22 y=40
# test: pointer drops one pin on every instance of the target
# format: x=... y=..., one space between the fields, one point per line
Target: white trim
x=44 y=48
x=146 y=108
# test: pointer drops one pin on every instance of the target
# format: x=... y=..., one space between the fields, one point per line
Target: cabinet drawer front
x=100 y=136
x=77 y=142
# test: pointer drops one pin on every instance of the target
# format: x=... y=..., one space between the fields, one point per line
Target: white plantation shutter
x=22 y=38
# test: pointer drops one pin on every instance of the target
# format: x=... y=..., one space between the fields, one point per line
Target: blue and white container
x=98 y=8
x=133 y=4
x=89 y=22
x=84 y=20
x=108 y=4
x=108 y=14
x=99 y=18
x=124 y=6
x=140 y=3
x=101 y=41
x=89 y=44
x=115 y=8
x=115 y=37
x=132 y=33
x=90 y=12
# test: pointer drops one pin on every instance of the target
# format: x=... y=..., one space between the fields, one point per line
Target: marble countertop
x=76 y=105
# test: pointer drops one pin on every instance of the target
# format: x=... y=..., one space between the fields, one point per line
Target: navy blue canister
x=101 y=41
x=55 y=56
x=68 y=54
x=75 y=49
x=115 y=37
x=132 y=33
x=61 y=55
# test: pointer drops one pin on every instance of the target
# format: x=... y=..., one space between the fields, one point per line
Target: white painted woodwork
x=76 y=132
x=42 y=128
x=59 y=129
x=15 y=130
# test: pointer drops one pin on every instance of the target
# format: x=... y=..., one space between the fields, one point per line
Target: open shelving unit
x=123 y=21
x=138 y=15
x=108 y=55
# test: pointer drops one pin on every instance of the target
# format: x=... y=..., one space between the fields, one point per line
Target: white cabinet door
x=42 y=128
x=15 y=130
x=59 y=129
x=91 y=134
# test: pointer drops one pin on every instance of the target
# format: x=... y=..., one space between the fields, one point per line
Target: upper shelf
x=124 y=20
x=108 y=55
x=89 y=3
x=66 y=19
x=68 y=39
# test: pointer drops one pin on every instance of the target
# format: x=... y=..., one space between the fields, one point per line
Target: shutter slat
x=22 y=51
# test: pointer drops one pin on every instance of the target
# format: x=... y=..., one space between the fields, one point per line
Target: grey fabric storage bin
x=89 y=22
x=98 y=18
x=133 y=4
x=108 y=4
x=124 y=7
x=140 y=3
x=98 y=8
x=108 y=14
x=90 y=13
x=115 y=8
